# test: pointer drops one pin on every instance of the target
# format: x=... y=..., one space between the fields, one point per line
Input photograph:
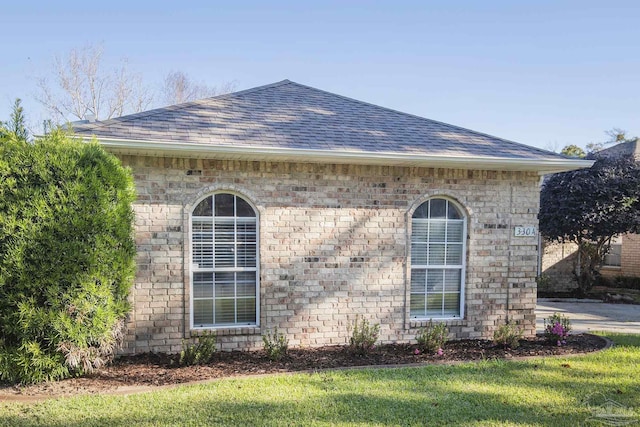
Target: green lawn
x=536 y=392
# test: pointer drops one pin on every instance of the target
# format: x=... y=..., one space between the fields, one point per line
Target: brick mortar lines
x=333 y=244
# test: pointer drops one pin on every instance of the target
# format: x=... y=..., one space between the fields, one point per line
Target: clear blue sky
x=544 y=73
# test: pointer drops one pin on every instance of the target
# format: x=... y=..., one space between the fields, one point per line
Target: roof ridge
x=423 y=118
x=246 y=91
x=175 y=107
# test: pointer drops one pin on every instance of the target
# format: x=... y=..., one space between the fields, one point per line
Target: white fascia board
x=232 y=152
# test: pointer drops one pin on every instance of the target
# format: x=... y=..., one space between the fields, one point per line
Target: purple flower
x=440 y=352
x=416 y=351
x=557 y=330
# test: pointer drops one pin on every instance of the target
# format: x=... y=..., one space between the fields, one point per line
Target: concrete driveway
x=591 y=315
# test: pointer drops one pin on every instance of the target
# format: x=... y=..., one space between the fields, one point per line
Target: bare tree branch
x=80 y=87
x=616 y=135
x=179 y=88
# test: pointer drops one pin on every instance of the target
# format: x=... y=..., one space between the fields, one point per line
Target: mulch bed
x=141 y=372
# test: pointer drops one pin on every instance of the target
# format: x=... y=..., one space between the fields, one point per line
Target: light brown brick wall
x=629 y=261
x=631 y=255
x=558 y=263
x=333 y=245
x=557 y=266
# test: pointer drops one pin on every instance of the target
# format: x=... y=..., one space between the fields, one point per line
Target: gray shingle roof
x=293 y=116
x=627 y=148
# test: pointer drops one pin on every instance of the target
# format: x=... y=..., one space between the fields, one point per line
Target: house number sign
x=525 y=231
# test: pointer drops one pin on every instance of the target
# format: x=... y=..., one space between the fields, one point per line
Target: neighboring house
x=624 y=257
x=558 y=260
x=286 y=206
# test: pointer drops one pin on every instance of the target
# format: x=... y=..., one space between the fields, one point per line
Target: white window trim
x=463 y=266
x=193 y=270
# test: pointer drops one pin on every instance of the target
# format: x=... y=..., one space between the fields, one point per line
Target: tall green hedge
x=66 y=256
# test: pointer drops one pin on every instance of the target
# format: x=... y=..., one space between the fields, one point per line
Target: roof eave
x=233 y=152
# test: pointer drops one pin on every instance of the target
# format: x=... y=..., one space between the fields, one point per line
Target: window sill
x=611 y=267
x=226 y=331
x=449 y=321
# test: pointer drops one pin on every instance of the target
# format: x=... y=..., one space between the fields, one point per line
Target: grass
x=490 y=393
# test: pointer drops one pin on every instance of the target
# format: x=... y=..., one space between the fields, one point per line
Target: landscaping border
x=127 y=390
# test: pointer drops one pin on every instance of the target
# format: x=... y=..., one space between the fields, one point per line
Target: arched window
x=224 y=262
x=438 y=235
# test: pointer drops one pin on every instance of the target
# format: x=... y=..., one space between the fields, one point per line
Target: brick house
x=287 y=206
x=624 y=258
x=558 y=260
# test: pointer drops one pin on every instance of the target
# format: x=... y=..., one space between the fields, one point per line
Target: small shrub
x=544 y=283
x=275 y=345
x=508 y=335
x=431 y=338
x=606 y=281
x=200 y=352
x=364 y=336
x=627 y=282
x=557 y=328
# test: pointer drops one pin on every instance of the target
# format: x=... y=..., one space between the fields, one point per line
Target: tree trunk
x=586 y=268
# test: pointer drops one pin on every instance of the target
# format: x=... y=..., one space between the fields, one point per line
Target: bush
x=67 y=257
x=629 y=282
x=364 y=336
x=623 y=282
x=200 y=352
x=431 y=338
x=275 y=345
x=544 y=283
x=29 y=364
x=557 y=328
x=508 y=335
